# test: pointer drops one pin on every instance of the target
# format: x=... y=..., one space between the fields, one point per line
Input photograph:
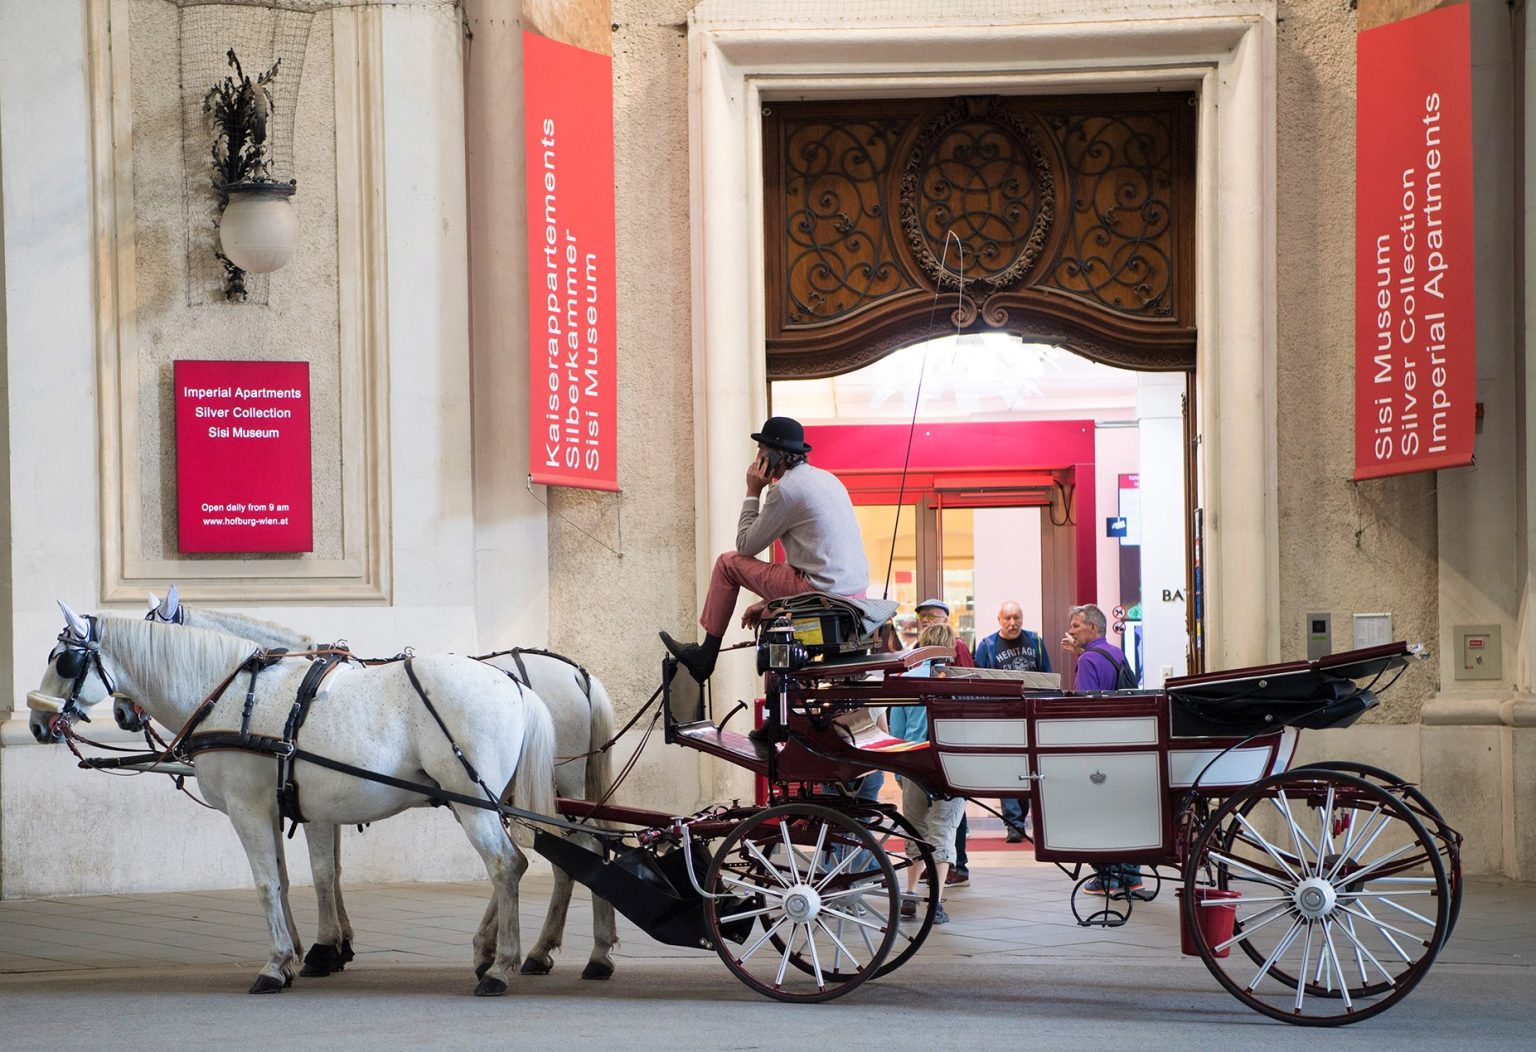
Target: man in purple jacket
x=1099 y=667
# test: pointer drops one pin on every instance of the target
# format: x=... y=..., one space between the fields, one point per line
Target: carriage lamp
x=780 y=651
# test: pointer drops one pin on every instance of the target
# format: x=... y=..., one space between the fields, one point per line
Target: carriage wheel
x=790 y=868
x=888 y=830
x=1413 y=796
x=1338 y=885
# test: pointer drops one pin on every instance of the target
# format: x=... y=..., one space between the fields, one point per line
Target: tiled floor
x=1014 y=907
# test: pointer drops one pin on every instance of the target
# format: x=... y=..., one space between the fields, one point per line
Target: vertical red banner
x=1415 y=346
x=243 y=481
x=568 y=101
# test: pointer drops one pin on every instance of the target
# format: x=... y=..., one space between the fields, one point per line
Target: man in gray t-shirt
x=805 y=509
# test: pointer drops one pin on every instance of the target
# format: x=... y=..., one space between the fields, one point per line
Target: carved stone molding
x=134 y=397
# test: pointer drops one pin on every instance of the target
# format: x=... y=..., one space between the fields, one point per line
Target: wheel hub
x=1315 y=898
x=801 y=903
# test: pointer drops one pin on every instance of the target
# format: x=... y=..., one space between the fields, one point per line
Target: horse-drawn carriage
x=1318 y=895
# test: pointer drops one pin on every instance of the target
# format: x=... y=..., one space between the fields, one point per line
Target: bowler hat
x=782 y=432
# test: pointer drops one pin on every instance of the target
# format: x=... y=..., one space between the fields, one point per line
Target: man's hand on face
x=759 y=474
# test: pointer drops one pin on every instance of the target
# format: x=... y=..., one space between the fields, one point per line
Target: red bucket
x=1215 y=913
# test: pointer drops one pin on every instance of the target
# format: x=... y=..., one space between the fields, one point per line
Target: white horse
x=583 y=717
x=371 y=718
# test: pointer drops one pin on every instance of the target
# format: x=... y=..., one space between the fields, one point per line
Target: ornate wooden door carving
x=1061 y=219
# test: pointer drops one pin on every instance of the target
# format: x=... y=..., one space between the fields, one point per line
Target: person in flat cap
x=933 y=611
x=805 y=509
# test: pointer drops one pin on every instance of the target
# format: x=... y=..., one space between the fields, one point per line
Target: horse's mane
x=267 y=633
x=151 y=652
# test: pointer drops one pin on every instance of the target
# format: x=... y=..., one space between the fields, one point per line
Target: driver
x=805 y=509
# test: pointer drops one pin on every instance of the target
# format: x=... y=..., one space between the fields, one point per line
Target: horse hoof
x=346 y=953
x=595 y=970
x=322 y=959
x=534 y=966
x=490 y=986
x=481 y=969
x=266 y=984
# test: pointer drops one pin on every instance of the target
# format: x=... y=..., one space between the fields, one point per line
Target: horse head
x=76 y=679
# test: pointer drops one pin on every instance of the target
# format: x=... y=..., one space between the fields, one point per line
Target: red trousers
x=733 y=572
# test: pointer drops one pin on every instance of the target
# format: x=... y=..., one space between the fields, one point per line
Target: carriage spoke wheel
x=1448 y=839
x=790 y=870
x=1341 y=904
x=903 y=845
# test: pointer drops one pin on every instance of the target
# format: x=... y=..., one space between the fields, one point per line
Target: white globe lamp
x=259 y=228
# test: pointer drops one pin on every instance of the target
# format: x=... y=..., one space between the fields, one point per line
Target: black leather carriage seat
x=833 y=626
x=1312 y=701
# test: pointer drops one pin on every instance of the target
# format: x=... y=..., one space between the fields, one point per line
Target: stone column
x=1469 y=752
x=511 y=525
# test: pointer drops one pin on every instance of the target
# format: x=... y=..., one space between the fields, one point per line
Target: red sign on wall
x=242 y=457
x=1415 y=352
x=568 y=97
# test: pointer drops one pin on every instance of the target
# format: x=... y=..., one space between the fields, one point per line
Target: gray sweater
x=809 y=512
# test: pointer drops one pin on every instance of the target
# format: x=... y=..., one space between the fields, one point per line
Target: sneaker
x=939 y=916
x=1015 y=835
x=957 y=878
x=1102 y=886
x=909 y=906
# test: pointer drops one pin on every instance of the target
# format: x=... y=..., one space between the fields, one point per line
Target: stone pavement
x=128 y=969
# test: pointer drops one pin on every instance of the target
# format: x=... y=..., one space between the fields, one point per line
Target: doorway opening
x=986 y=470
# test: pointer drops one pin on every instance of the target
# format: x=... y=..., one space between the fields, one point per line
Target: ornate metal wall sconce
x=257 y=224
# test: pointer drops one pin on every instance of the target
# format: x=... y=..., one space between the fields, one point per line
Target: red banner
x=568 y=98
x=242 y=457
x=1415 y=352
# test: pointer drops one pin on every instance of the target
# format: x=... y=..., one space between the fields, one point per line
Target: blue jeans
x=961 y=860
x=868 y=787
x=1015 y=810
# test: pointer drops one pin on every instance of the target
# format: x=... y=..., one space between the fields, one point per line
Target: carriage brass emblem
x=1097 y=777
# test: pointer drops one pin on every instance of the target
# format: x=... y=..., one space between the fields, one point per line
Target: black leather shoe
x=698 y=661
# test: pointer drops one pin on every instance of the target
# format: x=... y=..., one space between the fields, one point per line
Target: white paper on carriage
x=1031 y=680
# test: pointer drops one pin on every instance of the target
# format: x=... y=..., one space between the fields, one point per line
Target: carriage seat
x=828 y=625
x=1311 y=702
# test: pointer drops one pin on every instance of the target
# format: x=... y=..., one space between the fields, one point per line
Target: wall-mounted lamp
x=257 y=225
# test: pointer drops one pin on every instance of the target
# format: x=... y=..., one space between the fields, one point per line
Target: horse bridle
x=74 y=658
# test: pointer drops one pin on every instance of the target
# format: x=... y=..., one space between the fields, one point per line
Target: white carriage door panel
x=1216 y=768
x=1005 y=774
x=1002 y=733
x=1124 y=730
x=1101 y=801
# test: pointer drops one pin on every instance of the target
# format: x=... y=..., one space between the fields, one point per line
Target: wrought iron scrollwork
x=1119 y=244
x=979 y=174
x=1073 y=215
x=838 y=245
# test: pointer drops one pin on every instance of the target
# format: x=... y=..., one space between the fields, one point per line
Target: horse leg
x=605 y=933
x=283 y=886
x=541 y=958
x=505 y=865
x=604 y=930
x=259 y=835
x=327 y=954
x=485 y=940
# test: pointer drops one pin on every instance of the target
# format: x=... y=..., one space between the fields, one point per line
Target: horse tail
x=600 y=761
x=533 y=783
